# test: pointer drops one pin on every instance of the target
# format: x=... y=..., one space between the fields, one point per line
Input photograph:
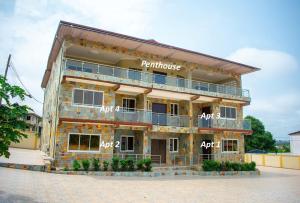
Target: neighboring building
x=295 y=142
x=33 y=132
x=161 y=90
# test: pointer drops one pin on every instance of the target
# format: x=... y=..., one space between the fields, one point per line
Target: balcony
x=224 y=124
x=163 y=119
x=149 y=80
x=133 y=116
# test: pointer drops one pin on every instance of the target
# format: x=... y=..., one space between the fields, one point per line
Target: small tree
x=11 y=116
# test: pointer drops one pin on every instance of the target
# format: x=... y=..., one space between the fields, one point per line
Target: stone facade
x=61 y=117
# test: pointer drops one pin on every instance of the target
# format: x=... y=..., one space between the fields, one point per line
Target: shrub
x=115 y=163
x=124 y=165
x=130 y=163
x=252 y=166
x=211 y=165
x=85 y=164
x=236 y=166
x=105 y=165
x=66 y=168
x=76 y=165
x=147 y=164
x=140 y=164
x=96 y=164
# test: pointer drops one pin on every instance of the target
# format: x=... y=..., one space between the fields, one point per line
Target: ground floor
x=164 y=146
x=274 y=185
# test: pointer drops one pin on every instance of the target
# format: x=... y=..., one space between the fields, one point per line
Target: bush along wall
x=212 y=165
x=115 y=164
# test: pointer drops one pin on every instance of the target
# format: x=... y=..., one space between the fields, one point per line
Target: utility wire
x=18 y=77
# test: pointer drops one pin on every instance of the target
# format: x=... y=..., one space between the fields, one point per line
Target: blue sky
x=260 y=33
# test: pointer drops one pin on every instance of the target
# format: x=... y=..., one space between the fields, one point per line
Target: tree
x=11 y=116
x=260 y=139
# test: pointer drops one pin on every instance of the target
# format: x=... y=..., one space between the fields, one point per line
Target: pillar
x=190 y=140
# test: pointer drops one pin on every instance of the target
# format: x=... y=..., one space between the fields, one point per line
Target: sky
x=260 y=33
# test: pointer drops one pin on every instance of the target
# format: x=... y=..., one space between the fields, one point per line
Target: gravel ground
x=274 y=185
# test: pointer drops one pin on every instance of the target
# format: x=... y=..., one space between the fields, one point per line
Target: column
x=190 y=139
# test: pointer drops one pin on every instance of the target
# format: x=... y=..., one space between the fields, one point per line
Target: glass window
x=127 y=143
x=98 y=98
x=228 y=112
x=82 y=142
x=174 y=144
x=229 y=145
x=94 y=144
x=174 y=109
x=88 y=97
x=129 y=104
x=28 y=118
x=78 y=96
x=74 y=142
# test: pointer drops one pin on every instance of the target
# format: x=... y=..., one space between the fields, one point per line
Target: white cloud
x=274 y=90
x=28 y=32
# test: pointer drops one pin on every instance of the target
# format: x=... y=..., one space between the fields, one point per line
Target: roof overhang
x=67 y=29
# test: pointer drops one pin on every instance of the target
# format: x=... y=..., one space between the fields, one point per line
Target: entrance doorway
x=158 y=147
x=206 y=152
x=206 y=123
x=159 y=114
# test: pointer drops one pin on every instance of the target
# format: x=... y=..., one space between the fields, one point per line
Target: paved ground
x=23 y=156
x=275 y=185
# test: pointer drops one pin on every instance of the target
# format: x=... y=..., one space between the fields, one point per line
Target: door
x=158 y=147
x=159 y=77
x=206 y=123
x=206 y=152
x=159 y=114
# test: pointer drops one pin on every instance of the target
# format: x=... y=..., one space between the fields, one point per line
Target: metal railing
x=156 y=159
x=163 y=119
x=179 y=160
x=133 y=115
x=224 y=123
x=156 y=80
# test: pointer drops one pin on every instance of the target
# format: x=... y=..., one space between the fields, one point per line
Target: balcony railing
x=224 y=123
x=163 y=119
x=133 y=115
x=157 y=80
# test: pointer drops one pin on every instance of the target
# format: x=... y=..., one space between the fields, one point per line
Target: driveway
x=274 y=185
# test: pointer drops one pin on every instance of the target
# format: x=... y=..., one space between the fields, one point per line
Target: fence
x=275 y=160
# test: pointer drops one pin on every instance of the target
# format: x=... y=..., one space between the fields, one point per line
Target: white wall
x=295 y=143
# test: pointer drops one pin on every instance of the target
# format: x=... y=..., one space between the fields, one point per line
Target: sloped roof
x=295 y=133
x=149 y=46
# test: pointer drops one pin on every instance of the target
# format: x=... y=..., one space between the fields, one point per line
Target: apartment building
x=111 y=94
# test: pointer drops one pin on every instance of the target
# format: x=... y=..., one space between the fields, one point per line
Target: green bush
x=85 y=164
x=105 y=165
x=140 y=164
x=96 y=164
x=76 y=165
x=147 y=164
x=211 y=165
x=115 y=163
x=66 y=168
x=124 y=165
x=130 y=163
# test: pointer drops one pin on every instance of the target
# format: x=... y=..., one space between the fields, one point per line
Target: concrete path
x=274 y=185
x=23 y=156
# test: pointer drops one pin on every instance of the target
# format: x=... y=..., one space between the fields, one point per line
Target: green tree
x=11 y=115
x=260 y=139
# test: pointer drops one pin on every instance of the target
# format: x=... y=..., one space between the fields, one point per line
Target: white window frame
x=128 y=99
x=225 y=112
x=230 y=152
x=171 y=109
x=84 y=151
x=172 y=140
x=126 y=150
x=85 y=105
x=148 y=105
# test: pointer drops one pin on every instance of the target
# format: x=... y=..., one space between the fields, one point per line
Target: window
x=128 y=104
x=127 y=144
x=87 y=97
x=28 y=118
x=228 y=112
x=174 y=144
x=174 y=110
x=83 y=142
x=229 y=145
x=159 y=77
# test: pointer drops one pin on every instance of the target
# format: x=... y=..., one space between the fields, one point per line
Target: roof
x=133 y=43
x=295 y=133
